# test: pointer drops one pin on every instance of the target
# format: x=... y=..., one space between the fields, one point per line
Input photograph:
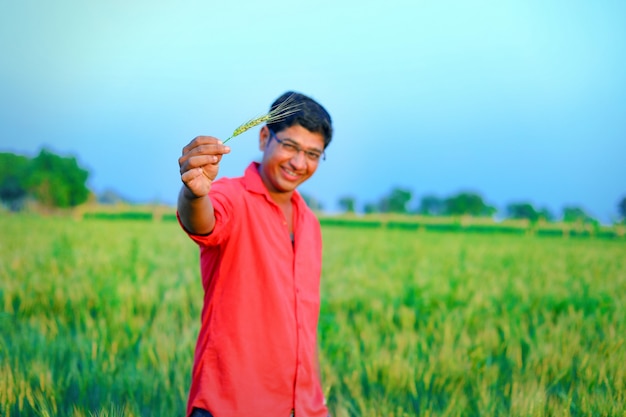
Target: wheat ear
x=284 y=109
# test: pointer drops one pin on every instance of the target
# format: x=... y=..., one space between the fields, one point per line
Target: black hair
x=309 y=114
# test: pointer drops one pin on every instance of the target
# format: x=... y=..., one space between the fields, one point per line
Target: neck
x=281 y=198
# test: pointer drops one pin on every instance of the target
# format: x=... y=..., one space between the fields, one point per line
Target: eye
x=290 y=147
x=313 y=156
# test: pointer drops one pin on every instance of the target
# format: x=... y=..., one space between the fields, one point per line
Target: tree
x=622 y=208
x=522 y=211
x=347 y=204
x=370 y=208
x=110 y=196
x=397 y=201
x=431 y=205
x=313 y=203
x=574 y=214
x=13 y=171
x=467 y=203
x=546 y=214
x=56 y=181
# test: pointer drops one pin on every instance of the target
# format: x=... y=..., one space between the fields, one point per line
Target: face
x=283 y=171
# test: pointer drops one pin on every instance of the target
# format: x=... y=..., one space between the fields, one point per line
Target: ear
x=264 y=136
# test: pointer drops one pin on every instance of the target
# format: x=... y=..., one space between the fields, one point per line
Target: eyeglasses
x=291 y=148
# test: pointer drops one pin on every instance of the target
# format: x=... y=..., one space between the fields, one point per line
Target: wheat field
x=99 y=318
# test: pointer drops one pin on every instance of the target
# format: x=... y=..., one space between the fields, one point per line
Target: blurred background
x=451 y=109
x=517 y=102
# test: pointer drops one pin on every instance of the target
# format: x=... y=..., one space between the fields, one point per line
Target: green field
x=99 y=317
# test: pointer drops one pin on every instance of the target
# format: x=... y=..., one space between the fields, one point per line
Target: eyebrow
x=306 y=150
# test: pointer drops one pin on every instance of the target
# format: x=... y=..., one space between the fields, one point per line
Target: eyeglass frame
x=298 y=149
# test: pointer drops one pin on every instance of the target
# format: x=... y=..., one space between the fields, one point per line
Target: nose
x=299 y=160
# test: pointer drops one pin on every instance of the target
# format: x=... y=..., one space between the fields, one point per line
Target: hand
x=199 y=163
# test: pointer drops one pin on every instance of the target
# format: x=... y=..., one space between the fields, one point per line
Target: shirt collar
x=253 y=183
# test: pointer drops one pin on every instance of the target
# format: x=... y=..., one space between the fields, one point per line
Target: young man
x=260 y=256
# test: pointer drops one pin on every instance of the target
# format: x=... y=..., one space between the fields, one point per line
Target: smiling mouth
x=290 y=173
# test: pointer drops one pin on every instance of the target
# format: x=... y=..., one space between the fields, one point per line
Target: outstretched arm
x=199 y=166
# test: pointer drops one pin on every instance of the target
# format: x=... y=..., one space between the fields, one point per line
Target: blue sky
x=515 y=100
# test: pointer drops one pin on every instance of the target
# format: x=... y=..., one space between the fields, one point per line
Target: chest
x=288 y=216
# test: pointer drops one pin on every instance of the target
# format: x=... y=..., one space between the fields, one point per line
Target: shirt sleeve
x=220 y=196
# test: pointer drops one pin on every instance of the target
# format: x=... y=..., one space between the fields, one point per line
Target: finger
x=210 y=149
x=197 y=141
x=210 y=178
x=210 y=171
x=213 y=149
x=194 y=161
x=193 y=174
x=214 y=145
x=209 y=163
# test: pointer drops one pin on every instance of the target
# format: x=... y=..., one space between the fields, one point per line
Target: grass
x=461 y=324
x=99 y=318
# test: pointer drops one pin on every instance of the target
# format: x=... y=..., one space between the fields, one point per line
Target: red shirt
x=256 y=353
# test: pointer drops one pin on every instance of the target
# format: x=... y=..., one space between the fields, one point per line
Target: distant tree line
x=49 y=179
x=466 y=204
x=56 y=181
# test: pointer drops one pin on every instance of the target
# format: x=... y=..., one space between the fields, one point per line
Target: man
x=260 y=256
